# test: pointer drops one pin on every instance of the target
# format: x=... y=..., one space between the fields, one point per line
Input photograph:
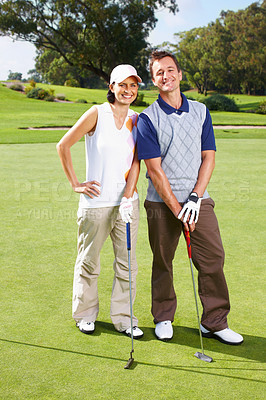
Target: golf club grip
x=187 y=236
x=128 y=237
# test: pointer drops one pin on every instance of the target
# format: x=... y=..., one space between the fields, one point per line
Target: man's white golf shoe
x=226 y=336
x=164 y=330
x=86 y=327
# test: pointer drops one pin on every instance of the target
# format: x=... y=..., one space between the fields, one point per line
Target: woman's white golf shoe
x=137 y=333
x=86 y=327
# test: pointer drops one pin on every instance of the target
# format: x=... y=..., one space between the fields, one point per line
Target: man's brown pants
x=207 y=255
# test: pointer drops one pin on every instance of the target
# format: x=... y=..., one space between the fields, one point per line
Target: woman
x=108 y=200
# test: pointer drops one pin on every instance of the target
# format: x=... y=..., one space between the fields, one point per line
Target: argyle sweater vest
x=179 y=137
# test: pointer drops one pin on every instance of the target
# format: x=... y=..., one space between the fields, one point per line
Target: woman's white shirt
x=109 y=156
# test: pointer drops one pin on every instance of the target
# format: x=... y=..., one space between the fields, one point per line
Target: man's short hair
x=158 y=55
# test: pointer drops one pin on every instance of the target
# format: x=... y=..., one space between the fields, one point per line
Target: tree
x=229 y=54
x=34 y=75
x=14 y=76
x=193 y=52
x=221 y=75
x=90 y=34
x=248 y=46
x=55 y=70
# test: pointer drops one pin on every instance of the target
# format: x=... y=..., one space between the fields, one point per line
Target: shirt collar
x=170 y=110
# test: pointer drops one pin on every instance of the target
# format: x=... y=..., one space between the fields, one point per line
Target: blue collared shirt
x=147 y=141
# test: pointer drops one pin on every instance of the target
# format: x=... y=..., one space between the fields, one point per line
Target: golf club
x=131 y=359
x=199 y=355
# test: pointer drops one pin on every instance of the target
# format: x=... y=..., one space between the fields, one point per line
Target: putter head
x=129 y=363
x=203 y=357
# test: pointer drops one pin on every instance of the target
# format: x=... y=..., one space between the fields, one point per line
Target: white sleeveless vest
x=109 y=156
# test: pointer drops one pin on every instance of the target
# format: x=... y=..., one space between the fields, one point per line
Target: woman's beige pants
x=94 y=226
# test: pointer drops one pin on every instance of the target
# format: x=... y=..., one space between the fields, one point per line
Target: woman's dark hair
x=110 y=96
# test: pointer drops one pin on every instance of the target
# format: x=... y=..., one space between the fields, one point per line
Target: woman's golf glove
x=191 y=208
x=126 y=209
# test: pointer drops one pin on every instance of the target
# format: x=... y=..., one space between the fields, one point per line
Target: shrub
x=71 y=82
x=17 y=86
x=33 y=93
x=49 y=98
x=81 y=101
x=27 y=89
x=51 y=92
x=190 y=97
x=184 y=85
x=40 y=94
x=139 y=100
x=31 y=86
x=32 y=83
x=219 y=102
x=60 y=97
x=261 y=108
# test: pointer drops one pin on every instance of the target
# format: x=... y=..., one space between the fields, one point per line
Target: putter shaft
x=131 y=359
x=199 y=355
x=196 y=302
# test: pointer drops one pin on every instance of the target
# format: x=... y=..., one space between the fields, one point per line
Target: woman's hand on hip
x=88 y=188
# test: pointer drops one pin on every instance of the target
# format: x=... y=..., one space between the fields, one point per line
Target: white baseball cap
x=122 y=72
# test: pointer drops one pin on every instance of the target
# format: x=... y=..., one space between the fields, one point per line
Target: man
x=176 y=140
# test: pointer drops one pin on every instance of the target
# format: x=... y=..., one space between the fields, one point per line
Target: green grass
x=17 y=112
x=74 y=94
x=237 y=118
x=44 y=356
x=244 y=102
x=238 y=133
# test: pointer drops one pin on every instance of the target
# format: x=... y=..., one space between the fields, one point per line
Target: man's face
x=166 y=75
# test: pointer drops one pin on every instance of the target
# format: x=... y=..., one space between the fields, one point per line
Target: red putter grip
x=187 y=236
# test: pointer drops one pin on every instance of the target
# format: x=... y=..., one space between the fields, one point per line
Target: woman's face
x=126 y=91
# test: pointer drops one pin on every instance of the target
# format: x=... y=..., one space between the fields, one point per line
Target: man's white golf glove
x=126 y=209
x=191 y=208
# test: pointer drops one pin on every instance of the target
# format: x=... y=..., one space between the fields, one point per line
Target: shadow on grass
x=252 y=348
x=203 y=369
x=248 y=106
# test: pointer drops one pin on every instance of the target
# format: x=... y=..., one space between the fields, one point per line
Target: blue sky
x=19 y=56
